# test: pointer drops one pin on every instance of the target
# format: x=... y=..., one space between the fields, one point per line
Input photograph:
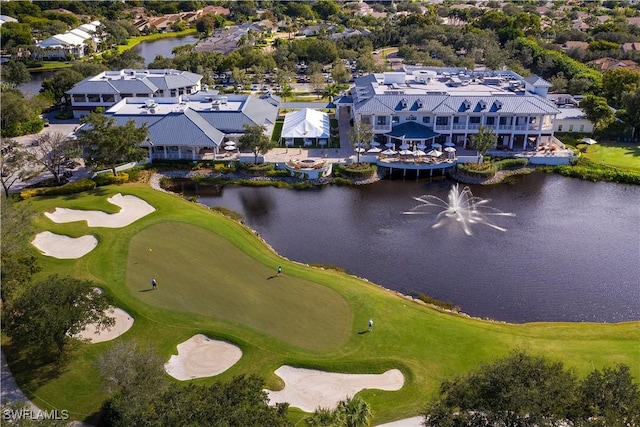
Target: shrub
x=227 y=212
x=443 y=304
x=277 y=173
x=73 y=188
x=355 y=170
x=108 y=179
x=592 y=171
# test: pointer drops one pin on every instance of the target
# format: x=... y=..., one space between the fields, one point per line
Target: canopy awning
x=412 y=131
x=306 y=123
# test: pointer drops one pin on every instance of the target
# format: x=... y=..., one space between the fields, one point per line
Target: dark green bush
x=73 y=188
x=108 y=179
x=25 y=128
x=355 y=170
x=592 y=171
x=278 y=173
x=443 y=304
x=228 y=213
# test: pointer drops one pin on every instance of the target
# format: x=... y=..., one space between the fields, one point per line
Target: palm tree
x=355 y=412
x=360 y=137
x=331 y=90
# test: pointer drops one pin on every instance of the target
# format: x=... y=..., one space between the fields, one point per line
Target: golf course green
x=216 y=277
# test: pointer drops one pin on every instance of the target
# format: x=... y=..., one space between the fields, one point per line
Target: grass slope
x=213 y=279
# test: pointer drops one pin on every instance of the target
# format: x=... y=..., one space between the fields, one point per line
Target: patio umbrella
x=322 y=142
x=390 y=145
x=308 y=142
x=374 y=150
x=449 y=144
x=230 y=147
x=360 y=144
x=406 y=153
x=359 y=150
x=389 y=152
x=589 y=141
x=403 y=146
x=419 y=153
x=229 y=143
x=449 y=149
x=374 y=143
x=436 y=145
x=421 y=146
x=288 y=141
x=434 y=153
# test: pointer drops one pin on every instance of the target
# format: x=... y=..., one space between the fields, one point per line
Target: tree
x=127 y=59
x=50 y=311
x=317 y=82
x=617 y=82
x=483 y=141
x=331 y=90
x=630 y=112
x=52 y=150
x=255 y=140
x=350 y=412
x=17 y=116
x=239 y=402
x=610 y=397
x=15 y=73
x=55 y=88
x=597 y=111
x=205 y=25
x=360 y=136
x=108 y=144
x=18 y=264
x=14 y=165
x=340 y=73
x=518 y=390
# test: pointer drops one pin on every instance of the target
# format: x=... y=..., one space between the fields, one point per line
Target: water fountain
x=462 y=206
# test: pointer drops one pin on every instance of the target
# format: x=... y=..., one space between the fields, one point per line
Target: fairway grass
x=214 y=278
x=617 y=154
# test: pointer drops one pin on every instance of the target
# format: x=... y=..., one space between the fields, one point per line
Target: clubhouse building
x=448 y=105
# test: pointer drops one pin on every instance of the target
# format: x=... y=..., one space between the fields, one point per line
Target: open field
x=216 y=277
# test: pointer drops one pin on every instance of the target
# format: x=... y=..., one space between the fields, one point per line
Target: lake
x=570 y=253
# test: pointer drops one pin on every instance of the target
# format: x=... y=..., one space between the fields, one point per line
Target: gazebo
x=310 y=127
x=411 y=133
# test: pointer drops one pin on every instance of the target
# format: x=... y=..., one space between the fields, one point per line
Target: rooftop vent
x=150 y=103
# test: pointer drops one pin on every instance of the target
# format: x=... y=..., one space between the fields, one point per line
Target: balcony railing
x=385 y=128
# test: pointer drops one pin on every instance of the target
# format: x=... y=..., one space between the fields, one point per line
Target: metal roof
x=412 y=131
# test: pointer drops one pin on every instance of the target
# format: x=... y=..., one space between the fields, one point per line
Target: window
x=181 y=91
x=411 y=118
x=142 y=95
x=426 y=119
x=79 y=98
x=559 y=128
x=442 y=121
x=382 y=120
x=503 y=121
x=173 y=93
x=125 y=95
x=474 y=120
x=395 y=119
x=581 y=128
x=108 y=97
x=161 y=93
x=93 y=97
x=456 y=120
x=570 y=128
x=491 y=121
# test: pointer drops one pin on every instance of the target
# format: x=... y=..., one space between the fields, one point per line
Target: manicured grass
x=199 y=256
x=617 y=154
x=52 y=66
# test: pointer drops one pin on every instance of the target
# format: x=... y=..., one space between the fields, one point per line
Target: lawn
x=617 y=154
x=216 y=277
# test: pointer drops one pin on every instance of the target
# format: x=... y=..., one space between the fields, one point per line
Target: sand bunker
x=94 y=335
x=132 y=209
x=200 y=357
x=309 y=389
x=64 y=247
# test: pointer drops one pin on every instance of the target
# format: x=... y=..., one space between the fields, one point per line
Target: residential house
x=606 y=64
x=110 y=87
x=72 y=42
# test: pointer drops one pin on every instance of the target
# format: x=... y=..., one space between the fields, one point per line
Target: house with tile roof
x=110 y=87
x=193 y=126
x=448 y=105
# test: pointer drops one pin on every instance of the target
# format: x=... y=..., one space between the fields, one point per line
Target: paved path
x=10 y=390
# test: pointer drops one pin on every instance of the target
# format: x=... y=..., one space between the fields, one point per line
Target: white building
x=110 y=87
x=448 y=105
x=572 y=119
x=194 y=126
x=72 y=42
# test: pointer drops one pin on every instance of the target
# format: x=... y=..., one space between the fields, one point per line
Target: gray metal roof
x=301 y=105
x=451 y=104
x=537 y=81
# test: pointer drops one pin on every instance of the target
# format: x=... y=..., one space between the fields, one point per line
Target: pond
x=570 y=253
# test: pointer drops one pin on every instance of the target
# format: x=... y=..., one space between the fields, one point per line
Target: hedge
x=358 y=170
x=108 y=179
x=73 y=188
